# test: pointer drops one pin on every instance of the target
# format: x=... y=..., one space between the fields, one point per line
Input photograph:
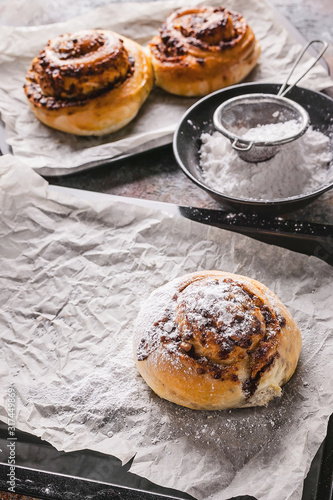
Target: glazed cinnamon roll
x=213 y=340
x=203 y=49
x=89 y=83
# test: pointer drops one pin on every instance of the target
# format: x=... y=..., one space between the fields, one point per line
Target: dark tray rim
x=53 y=485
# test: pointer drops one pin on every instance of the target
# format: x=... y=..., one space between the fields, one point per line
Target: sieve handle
x=242 y=146
x=283 y=90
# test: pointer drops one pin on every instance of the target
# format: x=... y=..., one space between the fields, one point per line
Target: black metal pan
x=199 y=119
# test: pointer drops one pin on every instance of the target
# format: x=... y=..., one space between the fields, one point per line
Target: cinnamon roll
x=203 y=49
x=89 y=83
x=214 y=340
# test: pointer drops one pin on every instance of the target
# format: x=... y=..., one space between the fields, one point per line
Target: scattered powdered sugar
x=219 y=300
x=240 y=435
x=299 y=167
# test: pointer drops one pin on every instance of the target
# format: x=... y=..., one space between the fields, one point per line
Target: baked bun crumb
x=214 y=340
x=202 y=49
x=92 y=82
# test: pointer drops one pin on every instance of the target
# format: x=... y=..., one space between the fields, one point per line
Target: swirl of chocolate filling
x=204 y=28
x=73 y=68
x=216 y=323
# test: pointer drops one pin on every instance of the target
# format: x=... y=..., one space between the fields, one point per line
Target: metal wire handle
x=283 y=91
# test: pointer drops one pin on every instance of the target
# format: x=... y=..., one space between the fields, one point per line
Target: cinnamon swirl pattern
x=202 y=49
x=89 y=83
x=213 y=340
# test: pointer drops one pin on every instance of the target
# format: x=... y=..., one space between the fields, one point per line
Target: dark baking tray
x=46 y=473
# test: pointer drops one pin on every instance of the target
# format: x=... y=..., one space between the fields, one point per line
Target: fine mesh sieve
x=259 y=124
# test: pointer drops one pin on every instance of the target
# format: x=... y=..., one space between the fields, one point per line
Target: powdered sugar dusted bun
x=92 y=82
x=202 y=49
x=213 y=340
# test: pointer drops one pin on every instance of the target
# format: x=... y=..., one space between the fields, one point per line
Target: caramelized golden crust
x=80 y=64
x=89 y=83
x=202 y=49
x=215 y=340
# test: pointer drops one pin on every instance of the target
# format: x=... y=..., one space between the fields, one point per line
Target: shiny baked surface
x=202 y=49
x=89 y=83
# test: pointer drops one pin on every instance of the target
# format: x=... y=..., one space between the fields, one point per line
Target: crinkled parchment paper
x=60 y=153
x=73 y=276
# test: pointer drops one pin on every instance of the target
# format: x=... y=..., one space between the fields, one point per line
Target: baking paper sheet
x=60 y=153
x=74 y=273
